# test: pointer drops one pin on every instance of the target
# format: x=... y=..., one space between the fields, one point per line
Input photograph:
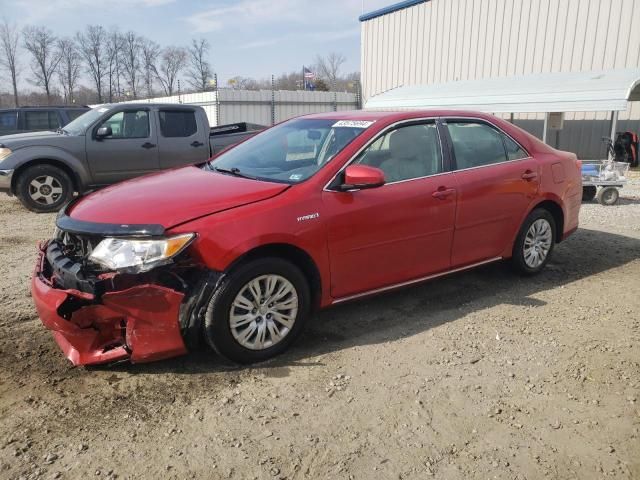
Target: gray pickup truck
x=106 y=145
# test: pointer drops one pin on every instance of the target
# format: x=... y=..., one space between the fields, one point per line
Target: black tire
x=25 y=191
x=217 y=328
x=518 y=255
x=608 y=196
x=589 y=193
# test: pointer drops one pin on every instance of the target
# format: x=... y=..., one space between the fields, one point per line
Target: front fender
x=25 y=156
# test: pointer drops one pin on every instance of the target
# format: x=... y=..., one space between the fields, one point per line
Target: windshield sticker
x=352 y=124
x=295 y=176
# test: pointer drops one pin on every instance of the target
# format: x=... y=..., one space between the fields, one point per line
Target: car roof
x=395 y=115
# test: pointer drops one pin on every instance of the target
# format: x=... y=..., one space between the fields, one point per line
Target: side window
x=514 y=152
x=177 y=123
x=8 y=121
x=476 y=144
x=129 y=124
x=405 y=153
x=41 y=120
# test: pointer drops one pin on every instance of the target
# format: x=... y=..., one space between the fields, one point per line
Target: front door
x=400 y=231
x=131 y=150
x=497 y=181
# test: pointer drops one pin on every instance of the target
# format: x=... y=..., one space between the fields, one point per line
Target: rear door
x=182 y=139
x=130 y=151
x=497 y=181
x=402 y=230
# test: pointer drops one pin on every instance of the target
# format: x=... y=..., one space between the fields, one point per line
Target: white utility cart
x=602 y=180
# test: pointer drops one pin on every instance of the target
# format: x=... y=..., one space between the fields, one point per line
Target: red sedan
x=315 y=211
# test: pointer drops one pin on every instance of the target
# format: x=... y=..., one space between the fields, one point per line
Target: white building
x=438 y=41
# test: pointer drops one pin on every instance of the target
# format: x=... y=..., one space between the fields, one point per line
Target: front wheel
x=534 y=243
x=44 y=188
x=258 y=310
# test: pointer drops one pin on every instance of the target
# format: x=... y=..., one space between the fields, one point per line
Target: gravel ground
x=479 y=375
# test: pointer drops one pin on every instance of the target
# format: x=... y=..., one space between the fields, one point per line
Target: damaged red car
x=318 y=210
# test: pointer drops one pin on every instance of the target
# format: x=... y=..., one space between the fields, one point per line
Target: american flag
x=308 y=73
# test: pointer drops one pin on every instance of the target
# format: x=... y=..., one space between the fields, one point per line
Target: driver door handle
x=148 y=145
x=529 y=175
x=196 y=144
x=442 y=193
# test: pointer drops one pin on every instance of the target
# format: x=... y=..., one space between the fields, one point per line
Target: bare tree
x=41 y=43
x=172 y=62
x=329 y=66
x=199 y=73
x=9 y=38
x=150 y=53
x=68 y=68
x=114 y=63
x=133 y=59
x=92 y=48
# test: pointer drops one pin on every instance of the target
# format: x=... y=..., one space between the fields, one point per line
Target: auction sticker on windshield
x=353 y=124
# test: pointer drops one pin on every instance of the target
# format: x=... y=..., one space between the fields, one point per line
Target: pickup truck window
x=41 y=120
x=128 y=124
x=8 y=121
x=177 y=123
x=290 y=152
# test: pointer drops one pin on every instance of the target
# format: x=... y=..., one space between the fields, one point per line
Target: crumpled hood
x=171 y=197
x=33 y=139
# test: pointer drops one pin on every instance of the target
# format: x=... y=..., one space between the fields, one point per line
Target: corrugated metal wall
x=255 y=106
x=447 y=40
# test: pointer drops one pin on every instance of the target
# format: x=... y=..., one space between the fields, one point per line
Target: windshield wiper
x=235 y=171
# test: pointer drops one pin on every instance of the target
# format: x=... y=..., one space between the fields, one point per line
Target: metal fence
x=264 y=107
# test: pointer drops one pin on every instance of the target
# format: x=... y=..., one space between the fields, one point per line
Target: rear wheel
x=44 y=188
x=588 y=193
x=534 y=243
x=258 y=310
x=608 y=196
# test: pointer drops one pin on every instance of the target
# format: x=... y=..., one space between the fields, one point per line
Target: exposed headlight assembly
x=135 y=256
x=4 y=153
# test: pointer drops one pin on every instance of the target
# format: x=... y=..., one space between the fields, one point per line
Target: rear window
x=41 y=120
x=177 y=123
x=8 y=121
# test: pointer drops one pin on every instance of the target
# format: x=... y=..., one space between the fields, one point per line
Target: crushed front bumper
x=140 y=323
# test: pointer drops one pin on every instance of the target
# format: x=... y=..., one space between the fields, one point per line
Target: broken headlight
x=138 y=255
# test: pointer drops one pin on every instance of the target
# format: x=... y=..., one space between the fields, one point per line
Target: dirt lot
x=479 y=375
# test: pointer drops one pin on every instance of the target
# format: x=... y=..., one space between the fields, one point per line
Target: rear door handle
x=196 y=144
x=148 y=145
x=442 y=193
x=529 y=175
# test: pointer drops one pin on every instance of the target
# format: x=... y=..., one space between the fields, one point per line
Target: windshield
x=291 y=152
x=79 y=125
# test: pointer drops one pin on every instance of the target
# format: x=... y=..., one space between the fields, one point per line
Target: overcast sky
x=249 y=37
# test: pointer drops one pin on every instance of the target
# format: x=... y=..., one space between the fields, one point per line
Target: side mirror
x=103 y=132
x=360 y=177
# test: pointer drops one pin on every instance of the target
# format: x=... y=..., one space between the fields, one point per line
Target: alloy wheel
x=45 y=190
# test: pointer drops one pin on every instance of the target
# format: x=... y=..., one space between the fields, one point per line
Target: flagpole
x=304 y=85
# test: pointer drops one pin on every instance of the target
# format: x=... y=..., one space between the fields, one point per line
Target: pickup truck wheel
x=44 y=188
x=534 y=243
x=258 y=310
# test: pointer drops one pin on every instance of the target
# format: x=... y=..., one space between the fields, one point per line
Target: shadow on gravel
x=412 y=310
